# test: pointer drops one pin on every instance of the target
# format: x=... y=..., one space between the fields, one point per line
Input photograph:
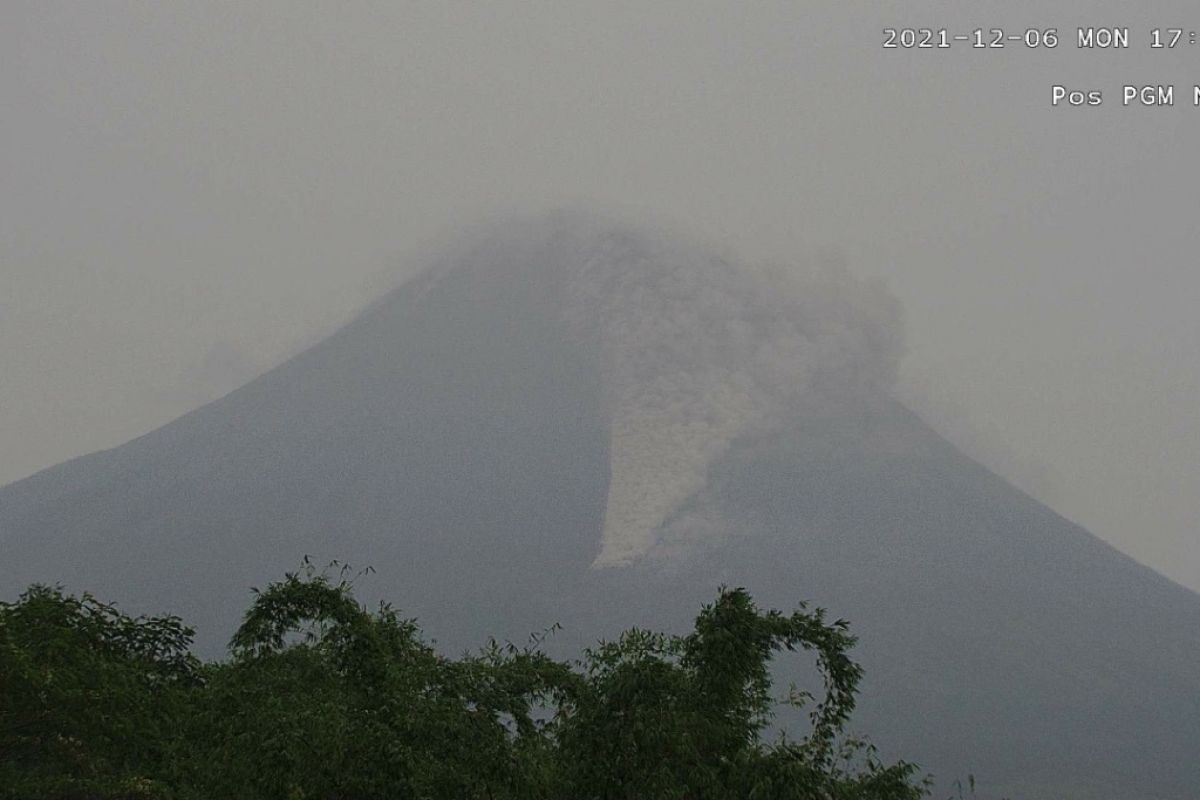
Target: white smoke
x=697 y=350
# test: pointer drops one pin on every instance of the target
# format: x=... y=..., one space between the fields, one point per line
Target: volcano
x=576 y=422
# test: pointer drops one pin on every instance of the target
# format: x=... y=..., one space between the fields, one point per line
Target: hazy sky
x=188 y=193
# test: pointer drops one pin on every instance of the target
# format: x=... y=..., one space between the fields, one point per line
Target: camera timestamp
x=979 y=39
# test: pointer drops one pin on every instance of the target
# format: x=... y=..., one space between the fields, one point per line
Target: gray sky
x=188 y=193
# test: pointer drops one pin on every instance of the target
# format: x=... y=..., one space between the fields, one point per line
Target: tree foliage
x=89 y=697
x=324 y=698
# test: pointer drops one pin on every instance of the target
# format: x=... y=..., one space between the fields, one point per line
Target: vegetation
x=323 y=698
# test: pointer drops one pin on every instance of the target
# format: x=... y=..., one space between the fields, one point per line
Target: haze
x=191 y=193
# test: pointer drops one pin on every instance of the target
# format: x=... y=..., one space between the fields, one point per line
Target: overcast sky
x=189 y=193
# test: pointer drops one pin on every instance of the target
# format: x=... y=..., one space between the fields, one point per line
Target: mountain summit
x=575 y=422
x=691 y=351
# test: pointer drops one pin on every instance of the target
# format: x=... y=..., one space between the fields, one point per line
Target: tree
x=324 y=698
x=676 y=717
x=89 y=696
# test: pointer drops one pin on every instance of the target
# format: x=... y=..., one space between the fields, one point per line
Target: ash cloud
x=698 y=348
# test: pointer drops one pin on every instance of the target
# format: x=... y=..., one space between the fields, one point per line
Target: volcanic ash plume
x=697 y=350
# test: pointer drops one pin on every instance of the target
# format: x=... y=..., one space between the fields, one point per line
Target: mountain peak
x=577 y=422
x=694 y=349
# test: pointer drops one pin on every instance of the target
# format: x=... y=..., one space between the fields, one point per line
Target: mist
x=586 y=422
x=192 y=195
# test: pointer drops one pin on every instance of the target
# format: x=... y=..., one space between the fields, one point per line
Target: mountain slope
x=578 y=423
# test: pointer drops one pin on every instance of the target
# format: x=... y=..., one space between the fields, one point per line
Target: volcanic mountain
x=581 y=423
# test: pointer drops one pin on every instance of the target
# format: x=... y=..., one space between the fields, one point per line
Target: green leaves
x=88 y=695
x=324 y=698
x=674 y=717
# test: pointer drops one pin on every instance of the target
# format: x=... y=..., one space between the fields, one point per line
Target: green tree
x=684 y=717
x=88 y=696
x=324 y=698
